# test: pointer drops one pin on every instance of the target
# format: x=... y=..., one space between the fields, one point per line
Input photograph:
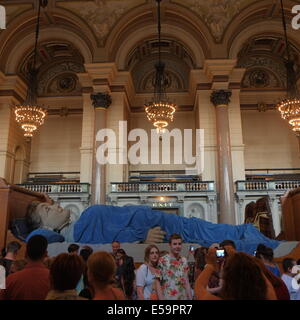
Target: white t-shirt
x=144 y=278
x=294 y=293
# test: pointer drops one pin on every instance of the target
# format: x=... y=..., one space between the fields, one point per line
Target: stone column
x=221 y=99
x=101 y=101
x=12 y=92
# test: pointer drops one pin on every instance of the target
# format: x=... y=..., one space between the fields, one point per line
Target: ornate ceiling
x=102 y=15
x=216 y=14
x=125 y=31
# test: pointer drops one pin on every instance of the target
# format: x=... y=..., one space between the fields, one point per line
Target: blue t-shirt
x=275 y=270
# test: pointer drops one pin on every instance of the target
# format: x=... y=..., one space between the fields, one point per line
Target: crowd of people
x=216 y=273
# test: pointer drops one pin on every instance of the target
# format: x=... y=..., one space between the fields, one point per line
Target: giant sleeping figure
x=100 y=224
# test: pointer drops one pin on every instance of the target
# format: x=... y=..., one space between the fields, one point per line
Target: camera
x=192 y=248
x=220 y=253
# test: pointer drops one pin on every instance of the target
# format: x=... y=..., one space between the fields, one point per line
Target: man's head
x=175 y=243
x=227 y=243
x=12 y=248
x=85 y=252
x=287 y=264
x=264 y=252
x=115 y=247
x=36 y=248
x=73 y=248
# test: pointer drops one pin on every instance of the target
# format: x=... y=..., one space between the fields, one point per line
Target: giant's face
x=52 y=215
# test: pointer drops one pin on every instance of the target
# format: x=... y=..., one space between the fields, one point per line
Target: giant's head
x=48 y=216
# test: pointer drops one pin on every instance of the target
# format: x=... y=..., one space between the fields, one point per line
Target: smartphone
x=192 y=248
x=220 y=253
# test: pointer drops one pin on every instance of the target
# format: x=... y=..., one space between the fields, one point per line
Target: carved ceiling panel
x=217 y=14
x=101 y=15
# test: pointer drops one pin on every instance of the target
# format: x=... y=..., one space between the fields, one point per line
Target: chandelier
x=289 y=107
x=160 y=111
x=29 y=115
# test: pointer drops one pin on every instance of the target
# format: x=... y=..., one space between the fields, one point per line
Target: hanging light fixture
x=289 y=107
x=29 y=115
x=160 y=111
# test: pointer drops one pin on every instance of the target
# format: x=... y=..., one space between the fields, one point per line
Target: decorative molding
x=101 y=82
x=203 y=86
x=262 y=107
x=10 y=93
x=86 y=90
x=117 y=88
x=256 y=107
x=220 y=78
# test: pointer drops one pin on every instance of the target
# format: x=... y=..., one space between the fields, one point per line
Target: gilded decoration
x=101 y=15
x=217 y=14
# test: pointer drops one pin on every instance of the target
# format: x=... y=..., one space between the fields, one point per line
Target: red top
x=31 y=283
x=282 y=291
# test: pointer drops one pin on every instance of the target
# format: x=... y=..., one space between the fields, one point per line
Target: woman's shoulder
x=142 y=268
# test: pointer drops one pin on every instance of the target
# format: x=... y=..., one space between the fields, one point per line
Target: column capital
x=220 y=97
x=101 y=100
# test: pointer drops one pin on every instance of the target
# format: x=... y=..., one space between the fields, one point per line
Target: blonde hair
x=101 y=265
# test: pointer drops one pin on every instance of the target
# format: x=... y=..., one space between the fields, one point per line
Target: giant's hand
x=155 y=235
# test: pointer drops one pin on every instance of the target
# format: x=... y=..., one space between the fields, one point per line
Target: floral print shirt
x=174 y=275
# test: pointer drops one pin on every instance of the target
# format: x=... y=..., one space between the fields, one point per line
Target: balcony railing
x=274 y=185
x=153 y=187
x=57 y=188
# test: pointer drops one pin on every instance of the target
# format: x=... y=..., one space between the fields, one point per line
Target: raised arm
x=201 y=292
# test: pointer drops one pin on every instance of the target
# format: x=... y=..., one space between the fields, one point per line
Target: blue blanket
x=104 y=224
